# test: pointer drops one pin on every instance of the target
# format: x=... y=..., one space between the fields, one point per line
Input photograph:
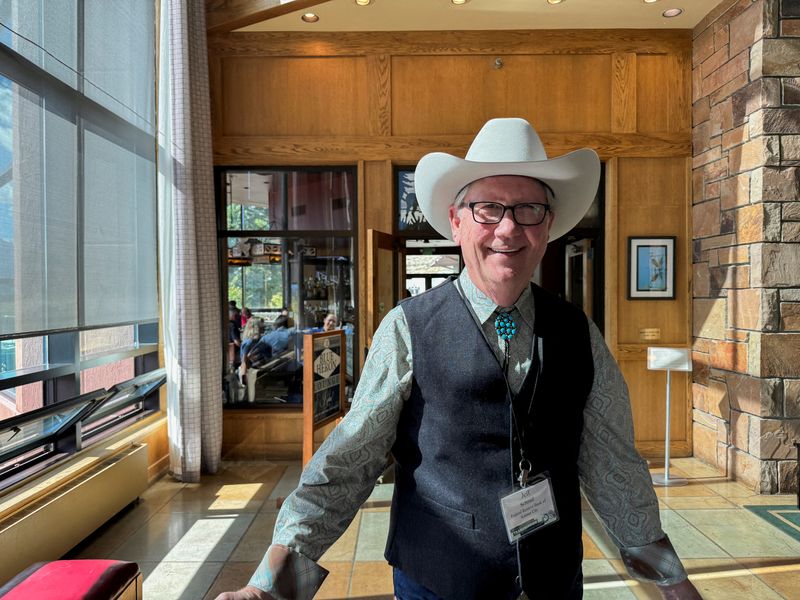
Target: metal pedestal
x=665 y=480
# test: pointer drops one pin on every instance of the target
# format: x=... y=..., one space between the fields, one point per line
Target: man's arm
x=617 y=483
x=340 y=475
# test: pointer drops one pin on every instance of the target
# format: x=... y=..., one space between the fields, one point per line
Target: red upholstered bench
x=76 y=580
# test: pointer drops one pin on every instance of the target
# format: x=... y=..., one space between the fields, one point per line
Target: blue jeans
x=406 y=589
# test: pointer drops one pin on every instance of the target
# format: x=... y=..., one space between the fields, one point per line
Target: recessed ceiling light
x=650 y=1
x=672 y=12
x=459 y=2
x=310 y=18
x=363 y=2
x=555 y=1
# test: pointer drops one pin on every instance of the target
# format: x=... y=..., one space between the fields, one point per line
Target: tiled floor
x=193 y=541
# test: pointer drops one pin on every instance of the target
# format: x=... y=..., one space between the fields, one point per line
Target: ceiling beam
x=226 y=15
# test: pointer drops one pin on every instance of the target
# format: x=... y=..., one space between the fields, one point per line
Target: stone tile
x=288 y=481
x=775 y=438
x=766 y=500
x=687 y=540
x=590 y=549
x=781 y=120
x=790 y=149
x=720 y=579
x=184 y=537
x=791 y=397
x=782 y=578
x=692 y=490
x=791 y=90
x=740 y=430
x=775 y=184
x=179 y=580
x=597 y=533
x=709 y=318
x=372 y=535
x=701 y=110
x=755 y=308
x=787 y=477
x=736 y=136
x=754 y=395
x=601 y=582
x=700 y=279
x=337 y=583
x=790 y=27
x=702 y=47
x=790 y=8
x=231 y=577
x=256 y=540
x=775 y=265
x=740 y=533
x=729 y=356
x=705 y=442
x=790 y=232
x=729 y=489
x=779 y=352
x=746 y=29
x=694 y=503
x=373 y=578
x=790 y=316
x=778 y=58
x=763 y=150
x=727 y=72
x=706 y=219
x=706 y=157
x=345 y=547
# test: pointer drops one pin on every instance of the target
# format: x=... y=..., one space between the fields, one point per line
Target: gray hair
x=459 y=200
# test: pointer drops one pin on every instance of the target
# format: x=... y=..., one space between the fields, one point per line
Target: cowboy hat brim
x=573 y=177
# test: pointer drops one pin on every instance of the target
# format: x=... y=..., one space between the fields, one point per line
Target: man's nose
x=507 y=224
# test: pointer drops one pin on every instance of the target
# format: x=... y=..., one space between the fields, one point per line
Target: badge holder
x=530 y=508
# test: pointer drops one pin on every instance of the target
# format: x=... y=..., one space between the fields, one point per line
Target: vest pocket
x=454 y=516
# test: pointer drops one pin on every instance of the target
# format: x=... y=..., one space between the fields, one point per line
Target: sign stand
x=668 y=359
x=323 y=383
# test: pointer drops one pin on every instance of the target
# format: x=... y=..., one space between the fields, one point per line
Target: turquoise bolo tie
x=506 y=328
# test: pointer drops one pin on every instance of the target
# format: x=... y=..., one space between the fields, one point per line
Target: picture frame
x=409 y=220
x=651 y=268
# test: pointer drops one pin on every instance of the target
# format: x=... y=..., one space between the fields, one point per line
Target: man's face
x=503 y=255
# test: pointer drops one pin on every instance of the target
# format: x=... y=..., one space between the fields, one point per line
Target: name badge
x=529 y=509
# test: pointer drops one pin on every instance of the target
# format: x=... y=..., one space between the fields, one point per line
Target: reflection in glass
x=266 y=200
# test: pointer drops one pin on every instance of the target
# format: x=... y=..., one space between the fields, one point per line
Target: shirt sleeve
x=343 y=472
x=614 y=475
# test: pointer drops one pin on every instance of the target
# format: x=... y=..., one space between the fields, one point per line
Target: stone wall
x=746 y=241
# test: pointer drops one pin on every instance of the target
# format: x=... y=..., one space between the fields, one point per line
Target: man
x=511 y=402
x=330 y=323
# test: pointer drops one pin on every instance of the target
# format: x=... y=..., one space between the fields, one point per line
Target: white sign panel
x=672 y=359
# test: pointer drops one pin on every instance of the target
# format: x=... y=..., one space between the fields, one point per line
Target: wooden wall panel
x=458 y=94
x=663 y=93
x=380 y=99
x=652 y=202
x=294 y=96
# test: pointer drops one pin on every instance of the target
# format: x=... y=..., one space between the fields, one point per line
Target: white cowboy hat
x=508 y=147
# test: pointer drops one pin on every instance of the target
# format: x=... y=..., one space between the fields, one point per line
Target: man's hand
x=684 y=590
x=248 y=592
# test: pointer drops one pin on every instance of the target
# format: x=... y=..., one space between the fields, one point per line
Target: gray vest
x=454 y=457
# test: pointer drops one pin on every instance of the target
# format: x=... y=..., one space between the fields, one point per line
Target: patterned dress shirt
x=614 y=478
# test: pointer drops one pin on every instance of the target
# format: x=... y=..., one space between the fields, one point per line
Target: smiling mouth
x=505 y=252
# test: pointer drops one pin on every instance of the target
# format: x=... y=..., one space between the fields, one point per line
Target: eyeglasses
x=491 y=213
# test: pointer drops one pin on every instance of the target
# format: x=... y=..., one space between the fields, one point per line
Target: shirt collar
x=484 y=306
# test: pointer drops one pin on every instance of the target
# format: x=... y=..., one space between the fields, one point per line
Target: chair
x=76 y=580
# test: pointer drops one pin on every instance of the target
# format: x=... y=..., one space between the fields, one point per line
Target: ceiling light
x=672 y=12
x=555 y=1
x=650 y=1
x=459 y=2
x=310 y=18
x=363 y=2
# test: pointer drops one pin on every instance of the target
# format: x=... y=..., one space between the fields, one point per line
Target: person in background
x=330 y=322
x=232 y=306
x=246 y=314
x=500 y=403
x=278 y=338
x=254 y=352
x=234 y=337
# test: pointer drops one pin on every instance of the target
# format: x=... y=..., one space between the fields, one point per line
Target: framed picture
x=410 y=220
x=651 y=268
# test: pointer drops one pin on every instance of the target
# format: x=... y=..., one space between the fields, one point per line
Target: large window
x=287 y=241
x=78 y=287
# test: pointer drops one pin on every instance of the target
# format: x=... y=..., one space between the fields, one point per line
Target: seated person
x=330 y=323
x=278 y=338
x=254 y=352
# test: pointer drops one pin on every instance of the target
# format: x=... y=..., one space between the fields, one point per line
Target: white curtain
x=187 y=244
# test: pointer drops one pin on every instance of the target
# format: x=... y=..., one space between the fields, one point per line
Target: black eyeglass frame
x=513 y=210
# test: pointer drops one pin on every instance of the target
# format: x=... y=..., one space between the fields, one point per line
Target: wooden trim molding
x=337 y=150
x=542 y=41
